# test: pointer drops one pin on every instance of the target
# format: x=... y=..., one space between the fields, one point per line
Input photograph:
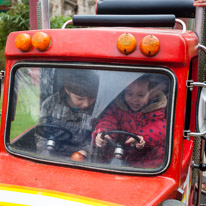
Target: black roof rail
x=124 y=20
x=180 y=8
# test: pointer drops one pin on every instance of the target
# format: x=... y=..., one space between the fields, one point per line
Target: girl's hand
x=133 y=142
x=100 y=142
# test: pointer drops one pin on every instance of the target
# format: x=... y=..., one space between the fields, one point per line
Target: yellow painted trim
x=10 y=204
x=60 y=195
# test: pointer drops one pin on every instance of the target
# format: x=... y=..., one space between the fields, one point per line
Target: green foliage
x=5 y=2
x=16 y=19
x=2 y=60
x=25 y=2
x=58 y=21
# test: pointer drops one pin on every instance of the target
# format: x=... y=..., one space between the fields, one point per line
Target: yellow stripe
x=10 y=204
x=60 y=195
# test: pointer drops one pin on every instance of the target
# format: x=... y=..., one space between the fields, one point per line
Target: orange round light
x=77 y=156
x=150 y=45
x=41 y=41
x=126 y=43
x=23 y=42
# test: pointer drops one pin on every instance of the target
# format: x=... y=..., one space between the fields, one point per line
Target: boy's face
x=137 y=95
x=78 y=101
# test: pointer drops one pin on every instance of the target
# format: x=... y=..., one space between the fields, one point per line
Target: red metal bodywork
x=178 y=51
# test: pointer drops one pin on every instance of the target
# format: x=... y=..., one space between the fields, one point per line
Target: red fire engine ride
x=135 y=53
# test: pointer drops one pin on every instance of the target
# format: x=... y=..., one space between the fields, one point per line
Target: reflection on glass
x=95 y=117
x=25 y=101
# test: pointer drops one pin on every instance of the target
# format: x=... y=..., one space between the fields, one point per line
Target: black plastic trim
x=124 y=20
x=180 y=8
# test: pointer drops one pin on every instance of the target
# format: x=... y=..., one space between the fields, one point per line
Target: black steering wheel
x=119 y=147
x=122 y=141
x=54 y=134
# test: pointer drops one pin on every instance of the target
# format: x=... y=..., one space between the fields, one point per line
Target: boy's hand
x=133 y=142
x=100 y=142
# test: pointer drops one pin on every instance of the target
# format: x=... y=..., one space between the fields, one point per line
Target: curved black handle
x=124 y=20
x=180 y=8
x=121 y=132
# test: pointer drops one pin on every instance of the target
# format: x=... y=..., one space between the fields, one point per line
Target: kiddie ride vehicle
x=132 y=48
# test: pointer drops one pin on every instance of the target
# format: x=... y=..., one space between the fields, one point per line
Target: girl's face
x=137 y=95
x=76 y=101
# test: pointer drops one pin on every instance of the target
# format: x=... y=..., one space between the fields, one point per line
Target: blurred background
x=14 y=16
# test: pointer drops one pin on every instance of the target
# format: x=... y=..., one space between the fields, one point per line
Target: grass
x=27 y=108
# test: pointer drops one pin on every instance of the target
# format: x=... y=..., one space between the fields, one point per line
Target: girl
x=139 y=110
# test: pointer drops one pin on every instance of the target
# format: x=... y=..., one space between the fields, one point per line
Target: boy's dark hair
x=81 y=82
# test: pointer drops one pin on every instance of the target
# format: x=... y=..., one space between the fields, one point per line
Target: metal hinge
x=190 y=84
x=201 y=166
x=187 y=134
x=2 y=74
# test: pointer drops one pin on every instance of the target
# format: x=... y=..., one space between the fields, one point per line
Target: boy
x=69 y=108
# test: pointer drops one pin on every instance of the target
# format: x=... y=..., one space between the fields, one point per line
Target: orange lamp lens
x=77 y=156
x=23 y=42
x=150 y=45
x=126 y=43
x=41 y=41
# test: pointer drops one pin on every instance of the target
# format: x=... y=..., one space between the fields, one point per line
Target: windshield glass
x=92 y=117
